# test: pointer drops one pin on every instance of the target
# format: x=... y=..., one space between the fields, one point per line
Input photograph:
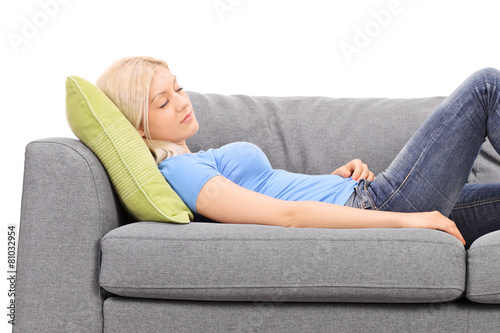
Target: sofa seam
x=468 y=323
x=482 y=247
x=284 y=287
x=483 y=294
x=272 y=240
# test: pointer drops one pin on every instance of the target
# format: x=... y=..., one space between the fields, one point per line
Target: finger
x=345 y=172
x=364 y=172
x=453 y=230
x=342 y=172
x=447 y=225
x=357 y=167
x=456 y=233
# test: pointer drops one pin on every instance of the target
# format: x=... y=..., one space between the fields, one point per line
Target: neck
x=185 y=148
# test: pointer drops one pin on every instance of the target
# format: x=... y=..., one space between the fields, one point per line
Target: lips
x=187 y=117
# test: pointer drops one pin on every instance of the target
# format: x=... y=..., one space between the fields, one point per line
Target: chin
x=194 y=128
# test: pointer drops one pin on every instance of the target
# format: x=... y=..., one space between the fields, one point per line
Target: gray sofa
x=85 y=266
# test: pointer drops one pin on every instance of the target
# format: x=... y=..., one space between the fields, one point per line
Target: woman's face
x=171 y=117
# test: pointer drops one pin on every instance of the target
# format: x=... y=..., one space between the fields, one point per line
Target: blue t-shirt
x=246 y=165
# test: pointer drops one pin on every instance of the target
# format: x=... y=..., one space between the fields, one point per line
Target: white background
x=421 y=48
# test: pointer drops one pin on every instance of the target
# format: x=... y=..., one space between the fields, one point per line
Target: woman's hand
x=356 y=170
x=432 y=220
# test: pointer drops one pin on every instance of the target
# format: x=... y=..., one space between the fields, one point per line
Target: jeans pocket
x=360 y=198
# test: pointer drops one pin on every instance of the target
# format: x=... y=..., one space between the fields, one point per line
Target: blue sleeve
x=186 y=175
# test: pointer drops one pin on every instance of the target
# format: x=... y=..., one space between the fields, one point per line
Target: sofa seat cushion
x=239 y=262
x=483 y=269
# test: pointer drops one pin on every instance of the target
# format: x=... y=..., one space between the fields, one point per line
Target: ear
x=141 y=132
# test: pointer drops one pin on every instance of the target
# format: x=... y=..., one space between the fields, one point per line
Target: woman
x=424 y=187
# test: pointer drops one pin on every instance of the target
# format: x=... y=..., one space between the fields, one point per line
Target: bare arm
x=223 y=201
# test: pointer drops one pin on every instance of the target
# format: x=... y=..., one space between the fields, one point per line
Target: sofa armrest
x=68 y=204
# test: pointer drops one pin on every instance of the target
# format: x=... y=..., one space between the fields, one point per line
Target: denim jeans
x=431 y=171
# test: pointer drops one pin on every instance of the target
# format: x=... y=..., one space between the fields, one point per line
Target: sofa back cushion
x=315 y=135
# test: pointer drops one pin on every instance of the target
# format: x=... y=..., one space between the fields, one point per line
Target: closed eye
x=166 y=102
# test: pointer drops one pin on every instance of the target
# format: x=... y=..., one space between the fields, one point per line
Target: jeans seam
x=475 y=203
x=370 y=197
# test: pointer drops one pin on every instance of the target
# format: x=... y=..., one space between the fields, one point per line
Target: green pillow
x=100 y=125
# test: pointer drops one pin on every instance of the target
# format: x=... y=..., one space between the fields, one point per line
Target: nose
x=181 y=102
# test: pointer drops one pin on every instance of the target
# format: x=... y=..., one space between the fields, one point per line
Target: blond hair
x=126 y=82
